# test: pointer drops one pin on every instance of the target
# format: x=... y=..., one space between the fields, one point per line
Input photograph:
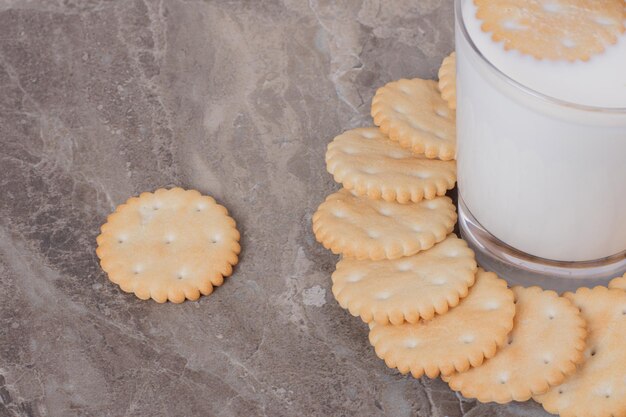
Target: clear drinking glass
x=542 y=182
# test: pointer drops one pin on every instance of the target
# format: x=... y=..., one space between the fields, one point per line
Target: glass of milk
x=541 y=160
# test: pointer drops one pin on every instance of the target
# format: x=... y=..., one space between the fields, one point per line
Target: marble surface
x=100 y=100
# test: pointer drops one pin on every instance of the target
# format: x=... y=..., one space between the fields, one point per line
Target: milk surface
x=546 y=179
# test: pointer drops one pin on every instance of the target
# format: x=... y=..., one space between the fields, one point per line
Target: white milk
x=544 y=177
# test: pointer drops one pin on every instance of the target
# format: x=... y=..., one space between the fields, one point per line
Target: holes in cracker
x=169 y=239
x=568 y=43
x=404 y=89
x=416 y=125
x=510 y=24
x=180 y=275
x=200 y=207
x=552 y=7
x=339 y=214
x=440 y=135
x=355 y=278
x=503 y=379
x=137 y=269
x=467 y=339
x=385 y=212
x=404 y=267
x=441 y=112
x=369 y=170
x=397 y=154
x=604 y=21
x=422 y=175
x=551 y=315
x=121 y=239
x=411 y=343
x=509 y=340
x=368 y=134
x=431 y=205
x=417 y=229
x=156 y=206
x=492 y=305
x=399 y=109
x=350 y=151
x=382 y=296
x=439 y=281
x=216 y=238
x=606 y=392
x=373 y=234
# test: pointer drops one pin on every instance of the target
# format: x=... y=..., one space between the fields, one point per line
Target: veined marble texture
x=101 y=100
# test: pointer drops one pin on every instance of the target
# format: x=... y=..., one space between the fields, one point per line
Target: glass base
x=519 y=268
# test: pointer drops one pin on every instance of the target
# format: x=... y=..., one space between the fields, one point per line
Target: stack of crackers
x=431 y=310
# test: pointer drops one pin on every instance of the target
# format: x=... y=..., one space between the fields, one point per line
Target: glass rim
x=534 y=93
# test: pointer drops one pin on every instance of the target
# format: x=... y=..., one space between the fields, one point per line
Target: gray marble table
x=100 y=100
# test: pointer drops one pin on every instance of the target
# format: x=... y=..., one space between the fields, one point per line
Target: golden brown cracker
x=544 y=347
x=172 y=244
x=413 y=113
x=367 y=162
x=406 y=289
x=447 y=80
x=454 y=341
x=363 y=228
x=598 y=388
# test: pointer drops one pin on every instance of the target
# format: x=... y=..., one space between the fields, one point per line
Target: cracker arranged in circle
x=451 y=342
x=172 y=244
x=413 y=113
x=447 y=80
x=367 y=162
x=618 y=283
x=406 y=289
x=598 y=388
x=553 y=29
x=544 y=347
x=363 y=228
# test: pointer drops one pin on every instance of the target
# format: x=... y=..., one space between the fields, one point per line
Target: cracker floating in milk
x=555 y=29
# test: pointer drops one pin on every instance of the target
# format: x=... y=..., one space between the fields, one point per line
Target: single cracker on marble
x=553 y=29
x=451 y=342
x=172 y=244
x=618 y=283
x=544 y=347
x=447 y=80
x=406 y=289
x=362 y=228
x=367 y=162
x=413 y=113
x=598 y=388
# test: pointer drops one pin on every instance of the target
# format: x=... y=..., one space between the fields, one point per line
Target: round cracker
x=413 y=113
x=452 y=342
x=555 y=29
x=406 y=289
x=618 y=283
x=598 y=388
x=447 y=80
x=363 y=228
x=169 y=245
x=367 y=162
x=546 y=344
